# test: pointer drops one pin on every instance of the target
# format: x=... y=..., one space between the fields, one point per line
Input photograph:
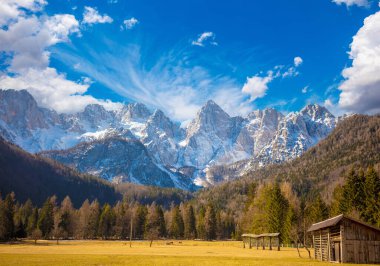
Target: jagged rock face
x=114 y=159
x=160 y=136
x=212 y=139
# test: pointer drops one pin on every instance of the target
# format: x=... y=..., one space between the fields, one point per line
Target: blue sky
x=175 y=55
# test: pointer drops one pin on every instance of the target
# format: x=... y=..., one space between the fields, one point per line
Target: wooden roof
x=262 y=235
x=334 y=221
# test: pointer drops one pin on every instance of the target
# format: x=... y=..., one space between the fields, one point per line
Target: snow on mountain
x=137 y=145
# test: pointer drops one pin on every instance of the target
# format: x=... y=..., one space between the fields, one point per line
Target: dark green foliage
x=46 y=218
x=91 y=230
x=140 y=220
x=189 y=223
x=32 y=222
x=34 y=177
x=177 y=227
x=7 y=227
x=210 y=223
x=318 y=210
x=106 y=221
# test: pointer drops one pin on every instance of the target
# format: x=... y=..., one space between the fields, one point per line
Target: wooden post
x=341 y=244
x=315 y=251
x=263 y=243
x=328 y=246
x=257 y=243
x=250 y=242
x=278 y=243
x=243 y=242
x=270 y=243
x=320 y=243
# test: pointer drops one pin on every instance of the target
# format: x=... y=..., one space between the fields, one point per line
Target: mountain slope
x=211 y=140
x=355 y=142
x=34 y=177
x=121 y=160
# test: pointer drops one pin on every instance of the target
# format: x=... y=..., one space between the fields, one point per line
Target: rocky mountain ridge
x=107 y=143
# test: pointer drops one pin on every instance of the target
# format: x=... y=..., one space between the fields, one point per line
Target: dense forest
x=269 y=208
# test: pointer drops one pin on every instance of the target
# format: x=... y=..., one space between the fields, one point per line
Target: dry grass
x=119 y=253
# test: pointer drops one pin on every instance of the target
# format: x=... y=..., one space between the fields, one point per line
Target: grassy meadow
x=120 y=253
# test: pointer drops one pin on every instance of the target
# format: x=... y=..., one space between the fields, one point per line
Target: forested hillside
x=354 y=143
x=33 y=177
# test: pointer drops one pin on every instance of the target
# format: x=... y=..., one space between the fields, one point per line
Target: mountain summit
x=170 y=155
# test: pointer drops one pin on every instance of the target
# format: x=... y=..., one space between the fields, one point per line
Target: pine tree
x=91 y=231
x=201 y=231
x=46 y=218
x=276 y=210
x=318 y=210
x=371 y=197
x=176 y=226
x=32 y=222
x=210 y=223
x=189 y=223
x=6 y=217
x=106 y=221
x=139 y=221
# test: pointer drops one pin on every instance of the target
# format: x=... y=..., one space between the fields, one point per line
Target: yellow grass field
x=119 y=253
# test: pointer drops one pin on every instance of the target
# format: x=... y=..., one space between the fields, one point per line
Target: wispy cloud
x=172 y=83
x=205 y=38
x=348 y=3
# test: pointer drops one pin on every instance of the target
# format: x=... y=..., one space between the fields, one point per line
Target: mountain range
x=144 y=146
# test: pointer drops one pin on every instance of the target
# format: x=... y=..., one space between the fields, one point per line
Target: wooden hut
x=263 y=240
x=346 y=240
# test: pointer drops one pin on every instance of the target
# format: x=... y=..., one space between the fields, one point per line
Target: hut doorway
x=335 y=251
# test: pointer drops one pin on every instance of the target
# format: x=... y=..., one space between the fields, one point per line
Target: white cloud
x=348 y=3
x=26 y=39
x=12 y=9
x=298 y=61
x=305 y=89
x=257 y=86
x=130 y=23
x=205 y=38
x=92 y=16
x=360 y=91
x=290 y=72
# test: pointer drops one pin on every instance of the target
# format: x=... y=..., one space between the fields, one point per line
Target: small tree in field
x=36 y=234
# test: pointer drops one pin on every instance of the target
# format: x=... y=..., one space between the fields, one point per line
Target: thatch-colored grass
x=119 y=253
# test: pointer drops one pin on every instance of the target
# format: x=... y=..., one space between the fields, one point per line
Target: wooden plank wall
x=362 y=243
x=321 y=245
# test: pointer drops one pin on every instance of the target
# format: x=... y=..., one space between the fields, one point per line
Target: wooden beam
x=328 y=246
x=250 y=242
x=270 y=243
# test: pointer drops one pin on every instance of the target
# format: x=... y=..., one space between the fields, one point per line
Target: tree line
x=93 y=221
x=266 y=208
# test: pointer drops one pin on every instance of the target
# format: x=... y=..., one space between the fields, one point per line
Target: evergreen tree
x=6 y=217
x=201 y=231
x=210 y=223
x=276 y=210
x=91 y=230
x=46 y=218
x=189 y=223
x=176 y=226
x=106 y=221
x=372 y=197
x=32 y=222
x=140 y=220
x=318 y=210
